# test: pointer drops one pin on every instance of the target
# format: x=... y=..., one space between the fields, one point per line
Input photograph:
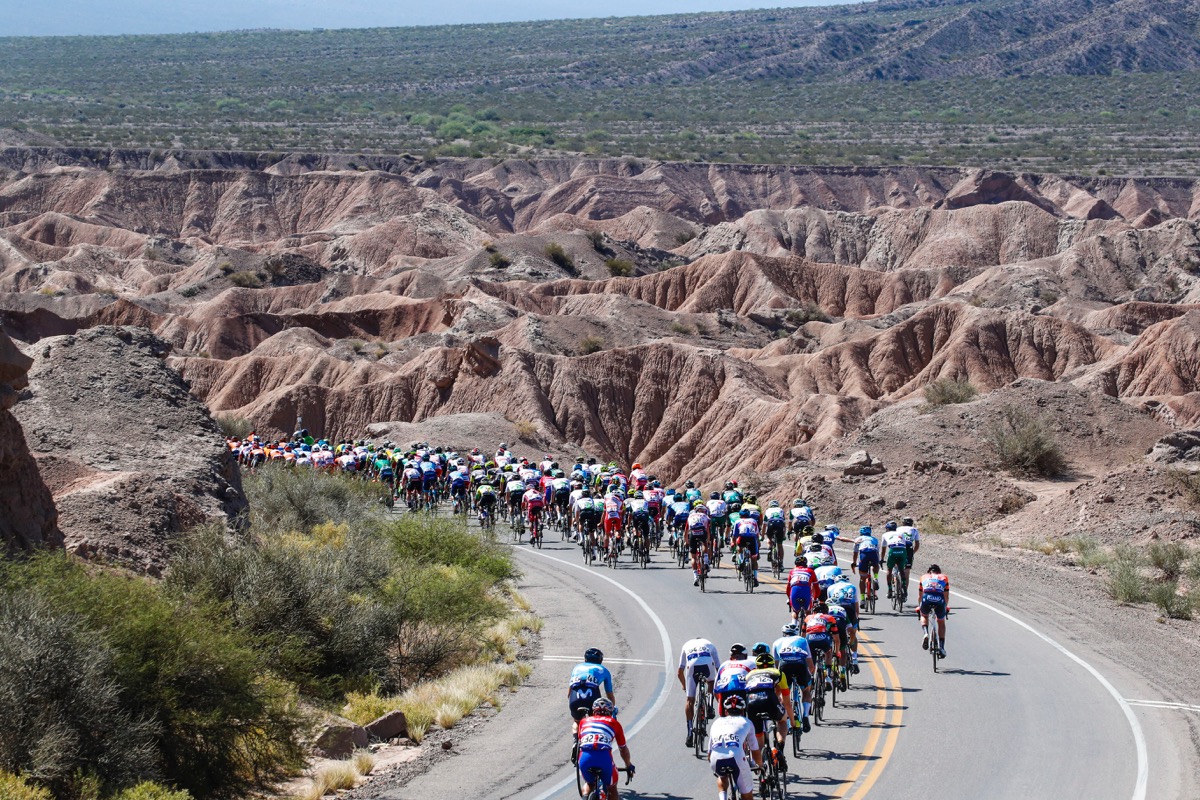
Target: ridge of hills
x=1034 y=85
x=706 y=320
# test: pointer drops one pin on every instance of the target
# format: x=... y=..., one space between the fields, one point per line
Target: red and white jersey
x=733 y=667
x=936 y=585
x=613 y=505
x=600 y=733
x=533 y=498
x=801 y=576
x=655 y=497
x=698 y=520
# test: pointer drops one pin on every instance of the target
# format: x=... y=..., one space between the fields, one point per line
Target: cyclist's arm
x=854 y=559
x=682 y=682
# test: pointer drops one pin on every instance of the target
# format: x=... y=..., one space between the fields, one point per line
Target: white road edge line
x=1139 y=738
x=1163 y=704
x=637 y=661
x=661 y=700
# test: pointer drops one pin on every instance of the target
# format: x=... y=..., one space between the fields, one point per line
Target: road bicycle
x=599 y=791
x=518 y=527
x=772 y=781
x=746 y=568
x=777 y=559
x=819 y=683
x=935 y=641
x=869 y=598
x=486 y=520
x=535 y=531
x=612 y=554
x=701 y=716
x=797 y=715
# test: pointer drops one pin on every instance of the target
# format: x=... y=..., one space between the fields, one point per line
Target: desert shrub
x=15 y=787
x=555 y=252
x=597 y=240
x=941 y=526
x=148 y=790
x=1188 y=484
x=233 y=426
x=680 y=328
x=947 y=391
x=1013 y=502
x=225 y=267
x=683 y=237
x=1169 y=558
x=809 y=312
x=1047 y=297
x=283 y=499
x=1125 y=583
x=190 y=291
x=590 y=344
x=1088 y=551
x=245 y=280
x=1171 y=601
x=61 y=703
x=330 y=779
x=1023 y=443
x=619 y=267
x=526 y=430
x=498 y=260
x=224 y=727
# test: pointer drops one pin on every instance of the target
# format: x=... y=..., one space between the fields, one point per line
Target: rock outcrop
x=28 y=518
x=133 y=460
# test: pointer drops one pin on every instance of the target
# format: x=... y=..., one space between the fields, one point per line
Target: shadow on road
x=982 y=673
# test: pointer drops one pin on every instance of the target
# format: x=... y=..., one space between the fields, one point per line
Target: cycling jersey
x=801 y=516
x=533 y=500
x=698 y=658
x=745 y=528
x=697 y=523
x=827 y=574
x=717 y=508
x=762 y=700
x=637 y=508
x=801 y=587
x=515 y=486
x=896 y=541
x=773 y=515
x=731 y=740
x=802 y=577
x=791 y=650
x=731 y=675
x=751 y=511
x=935 y=586
x=613 y=505
x=866 y=543
x=597 y=735
x=678 y=510
x=596 y=673
x=843 y=593
x=655 y=497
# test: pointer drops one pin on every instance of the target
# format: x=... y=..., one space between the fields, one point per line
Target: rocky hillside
x=703 y=319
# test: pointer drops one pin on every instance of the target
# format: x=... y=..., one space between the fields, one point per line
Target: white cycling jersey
x=698 y=653
x=732 y=739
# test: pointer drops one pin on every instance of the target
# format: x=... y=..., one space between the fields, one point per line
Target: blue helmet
x=865 y=530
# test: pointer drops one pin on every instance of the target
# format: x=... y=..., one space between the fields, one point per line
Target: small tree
x=947 y=391
x=555 y=252
x=619 y=267
x=1024 y=443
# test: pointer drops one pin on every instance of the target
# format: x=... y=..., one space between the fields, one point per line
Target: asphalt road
x=1009 y=715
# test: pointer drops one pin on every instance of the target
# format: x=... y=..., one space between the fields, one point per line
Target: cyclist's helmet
x=715 y=496
x=698 y=504
x=889 y=525
x=935 y=568
x=737 y=650
x=773 y=504
x=820 y=607
x=655 y=484
x=764 y=661
x=637 y=495
x=586 y=492
x=760 y=648
x=593 y=656
x=790 y=629
x=801 y=561
x=752 y=499
x=728 y=484
x=797 y=503
x=474 y=451
x=734 y=704
x=734 y=484
x=636 y=466
x=865 y=530
x=817 y=539
x=907 y=521
x=602 y=707
x=690 y=485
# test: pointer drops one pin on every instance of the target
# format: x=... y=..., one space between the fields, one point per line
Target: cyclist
x=732 y=497
x=775 y=529
x=801 y=587
x=718 y=512
x=590 y=680
x=821 y=631
x=699 y=539
x=533 y=503
x=697 y=664
x=731 y=675
x=587 y=516
x=730 y=739
x=690 y=492
x=458 y=487
x=914 y=535
x=767 y=695
x=598 y=732
x=745 y=534
x=637 y=515
x=827 y=575
x=866 y=559
x=514 y=488
x=795 y=661
x=614 y=507
x=845 y=594
x=485 y=498
x=899 y=550
x=801 y=516
x=751 y=510
x=935 y=597
x=638 y=477
x=655 y=498
x=677 y=513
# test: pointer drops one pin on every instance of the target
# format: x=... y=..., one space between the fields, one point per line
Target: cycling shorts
x=868 y=560
x=897 y=559
x=819 y=643
x=851 y=616
x=697 y=541
x=428 y=483
x=776 y=530
x=796 y=673
x=598 y=762
x=758 y=710
x=458 y=490
x=800 y=597
x=487 y=500
x=694 y=674
x=737 y=770
x=580 y=699
x=935 y=604
x=751 y=544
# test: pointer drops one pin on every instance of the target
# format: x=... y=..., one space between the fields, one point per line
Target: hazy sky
x=72 y=17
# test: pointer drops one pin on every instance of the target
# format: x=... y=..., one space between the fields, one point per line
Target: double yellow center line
x=885 y=725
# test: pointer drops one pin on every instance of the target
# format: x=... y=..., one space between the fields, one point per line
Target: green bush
x=152 y=791
x=619 y=267
x=555 y=252
x=190 y=291
x=245 y=280
x=1168 y=558
x=14 y=787
x=498 y=260
x=590 y=344
x=1125 y=583
x=1167 y=597
x=233 y=426
x=283 y=500
x=810 y=312
x=1024 y=443
x=61 y=702
x=225 y=727
x=948 y=391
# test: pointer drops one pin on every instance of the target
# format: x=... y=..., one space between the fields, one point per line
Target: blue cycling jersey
x=596 y=673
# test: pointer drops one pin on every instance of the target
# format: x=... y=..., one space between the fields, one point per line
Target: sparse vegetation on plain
x=809 y=312
x=1125 y=583
x=246 y=280
x=555 y=252
x=233 y=426
x=619 y=267
x=591 y=344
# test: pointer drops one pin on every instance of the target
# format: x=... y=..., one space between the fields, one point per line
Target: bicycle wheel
x=935 y=643
x=836 y=678
x=700 y=721
x=797 y=715
x=819 y=695
x=703 y=579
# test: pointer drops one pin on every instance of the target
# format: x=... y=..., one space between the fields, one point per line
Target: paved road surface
x=1009 y=716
